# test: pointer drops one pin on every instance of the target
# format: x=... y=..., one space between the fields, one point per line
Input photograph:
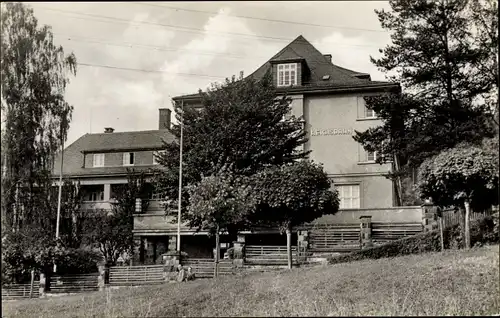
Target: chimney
x=328 y=57
x=108 y=130
x=164 y=118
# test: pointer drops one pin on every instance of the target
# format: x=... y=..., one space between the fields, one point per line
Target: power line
x=260 y=19
x=149 y=71
x=184 y=29
x=150 y=47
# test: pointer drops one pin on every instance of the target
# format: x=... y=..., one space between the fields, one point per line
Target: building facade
x=329 y=99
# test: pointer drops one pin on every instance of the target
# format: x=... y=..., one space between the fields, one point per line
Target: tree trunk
x=441 y=234
x=399 y=185
x=289 y=247
x=32 y=283
x=466 y=227
x=217 y=252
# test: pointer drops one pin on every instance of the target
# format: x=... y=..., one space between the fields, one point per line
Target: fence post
x=239 y=251
x=42 y=286
x=103 y=277
x=32 y=282
x=366 y=231
x=171 y=260
x=441 y=232
x=302 y=245
x=429 y=219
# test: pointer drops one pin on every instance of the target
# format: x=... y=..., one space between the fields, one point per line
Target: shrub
x=483 y=231
x=230 y=252
x=77 y=261
x=174 y=253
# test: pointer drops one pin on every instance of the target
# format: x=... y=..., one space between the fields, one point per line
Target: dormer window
x=128 y=159
x=287 y=74
x=98 y=160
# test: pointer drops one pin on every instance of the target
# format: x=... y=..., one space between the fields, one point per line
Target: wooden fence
x=268 y=255
x=74 y=283
x=334 y=238
x=20 y=291
x=452 y=217
x=205 y=267
x=155 y=274
x=383 y=233
x=136 y=275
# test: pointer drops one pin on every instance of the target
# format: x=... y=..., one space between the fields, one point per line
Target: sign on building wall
x=332 y=131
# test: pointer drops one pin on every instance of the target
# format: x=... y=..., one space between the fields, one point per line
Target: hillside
x=449 y=283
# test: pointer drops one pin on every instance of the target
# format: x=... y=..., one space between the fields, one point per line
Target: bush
x=18 y=263
x=230 y=253
x=77 y=261
x=483 y=231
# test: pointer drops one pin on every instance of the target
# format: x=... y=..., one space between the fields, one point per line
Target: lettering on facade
x=332 y=131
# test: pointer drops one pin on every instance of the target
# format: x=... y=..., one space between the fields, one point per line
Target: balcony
x=96 y=205
x=154 y=206
x=159 y=224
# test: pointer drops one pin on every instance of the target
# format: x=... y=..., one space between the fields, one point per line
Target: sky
x=133 y=57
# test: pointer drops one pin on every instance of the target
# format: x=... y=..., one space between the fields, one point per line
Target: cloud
x=208 y=64
x=353 y=52
x=141 y=52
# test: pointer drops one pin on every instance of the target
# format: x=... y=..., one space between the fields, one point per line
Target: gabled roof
x=109 y=142
x=146 y=139
x=319 y=66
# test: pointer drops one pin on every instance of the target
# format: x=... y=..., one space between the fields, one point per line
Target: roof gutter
x=86 y=151
x=118 y=174
x=317 y=90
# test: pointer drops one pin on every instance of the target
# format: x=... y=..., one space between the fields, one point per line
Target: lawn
x=449 y=283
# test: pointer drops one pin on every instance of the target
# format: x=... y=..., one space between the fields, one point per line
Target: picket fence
x=333 y=238
x=453 y=217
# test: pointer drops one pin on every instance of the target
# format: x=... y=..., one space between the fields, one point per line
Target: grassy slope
x=451 y=283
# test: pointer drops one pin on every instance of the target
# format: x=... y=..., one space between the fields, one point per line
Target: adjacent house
x=99 y=162
x=329 y=98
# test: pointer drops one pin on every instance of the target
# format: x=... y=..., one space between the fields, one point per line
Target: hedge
x=483 y=231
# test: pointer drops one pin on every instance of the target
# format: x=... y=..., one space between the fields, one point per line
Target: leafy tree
x=31 y=249
x=220 y=203
x=36 y=116
x=484 y=20
x=111 y=231
x=240 y=124
x=462 y=176
x=439 y=59
x=292 y=194
x=71 y=212
x=411 y=133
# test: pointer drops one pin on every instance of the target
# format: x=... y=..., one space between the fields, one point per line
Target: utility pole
x=60 y=193
x=180 y=182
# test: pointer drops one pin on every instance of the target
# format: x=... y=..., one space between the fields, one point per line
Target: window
x=93 y=192
x=371 y=156
x=128 y=159
x=370 y=113
x=349 y=196
x=156 y=153
x=96 y=196
x=98 y=160
x=287 y=74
